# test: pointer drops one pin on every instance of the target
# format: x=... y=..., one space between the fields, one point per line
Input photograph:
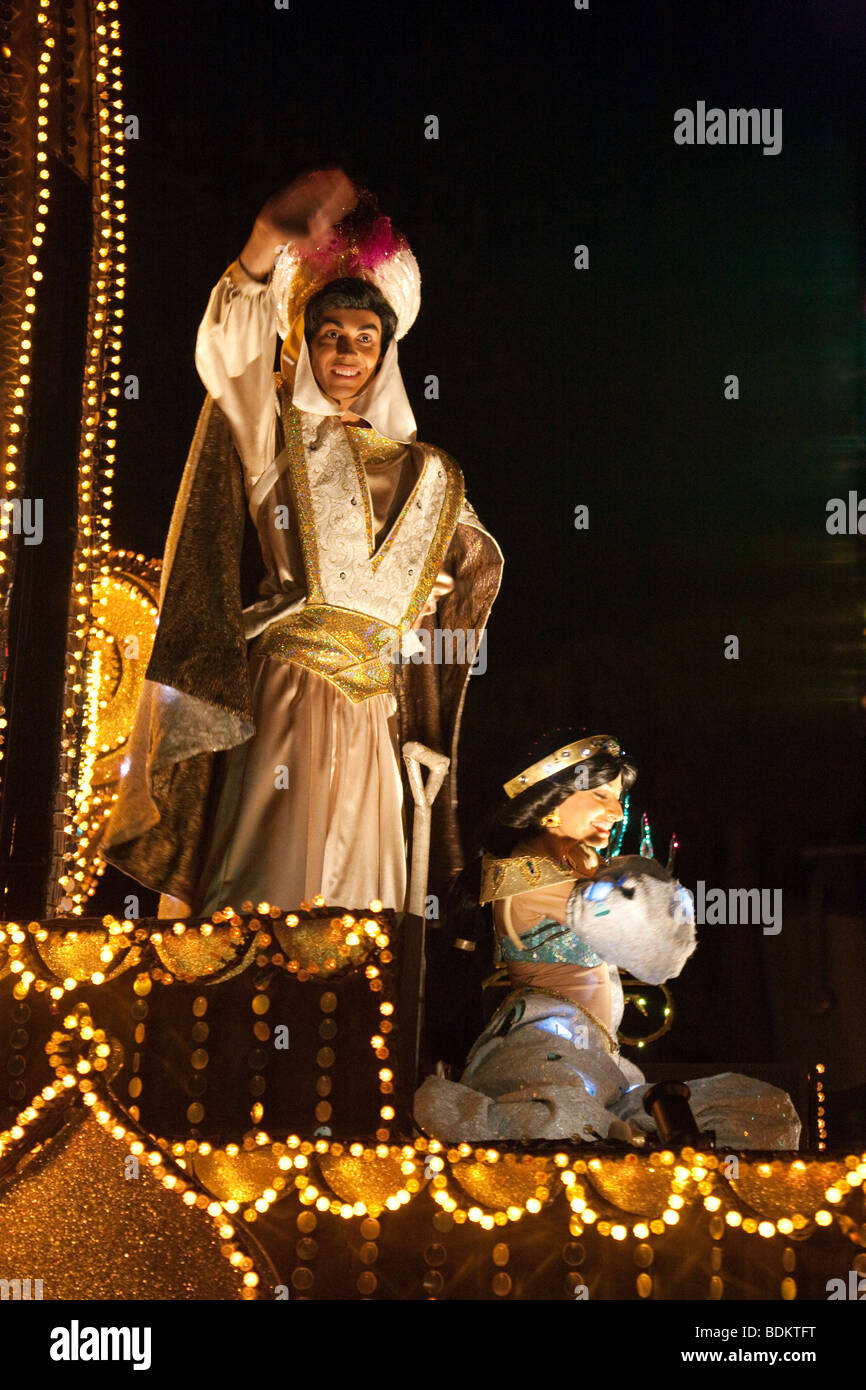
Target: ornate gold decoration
x=634 y=993
x=119 y=644
x=567 y=756
x=93 y=561
x=519 y=873
x=345 y=647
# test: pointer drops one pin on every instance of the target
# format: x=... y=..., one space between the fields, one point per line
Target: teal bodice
x=549 y=943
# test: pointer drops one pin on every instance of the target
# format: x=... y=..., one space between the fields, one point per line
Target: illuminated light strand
x=173 y=1176
x=378 y=1042
x=684 y=1177
x=98 y=427
x=238 y=930
x=688 y=1171
x=130 y=941
x=754 y=1224
x=91 y=716
x=309 y=1192
x=137 y=1141
x=56 y=986
x=128 y=594
x=637 y=999
x=20 y=393
x=10 y=1138
x=294 y=1153
x=462 y=1210
x=820 y=1105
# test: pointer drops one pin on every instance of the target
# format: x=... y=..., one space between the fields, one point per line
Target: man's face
x=345 y=352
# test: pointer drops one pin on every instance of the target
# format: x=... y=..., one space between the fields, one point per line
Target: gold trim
x=613 y=1045
x=520 y=873
x=568 y=756
x=443 y=533
x=345 y=647
x=445 y=527
x=297 y=466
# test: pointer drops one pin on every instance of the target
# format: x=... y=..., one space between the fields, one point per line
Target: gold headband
x=567 y=756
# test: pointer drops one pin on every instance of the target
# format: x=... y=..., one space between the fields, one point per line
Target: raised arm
x=237 y=337
x=303 y=212
x=234 y=356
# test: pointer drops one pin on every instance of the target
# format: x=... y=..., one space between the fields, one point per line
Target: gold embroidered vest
x=359 y=601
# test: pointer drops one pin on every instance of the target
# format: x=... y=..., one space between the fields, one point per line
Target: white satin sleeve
x=636 y=916
x=234 y=356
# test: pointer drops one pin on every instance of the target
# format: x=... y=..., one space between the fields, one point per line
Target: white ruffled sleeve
x=636 y=916
x=234 y=357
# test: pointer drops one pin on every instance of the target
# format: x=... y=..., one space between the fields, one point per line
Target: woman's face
x=345 y=352
x=590 y=816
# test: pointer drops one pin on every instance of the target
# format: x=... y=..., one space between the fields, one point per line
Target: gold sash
x=347 y=648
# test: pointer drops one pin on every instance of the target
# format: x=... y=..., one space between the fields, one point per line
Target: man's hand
x=303 y=213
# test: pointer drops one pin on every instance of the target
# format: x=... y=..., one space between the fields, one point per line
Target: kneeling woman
x=548 y=1065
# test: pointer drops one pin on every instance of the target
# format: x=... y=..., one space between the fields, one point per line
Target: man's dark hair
x=349 y=293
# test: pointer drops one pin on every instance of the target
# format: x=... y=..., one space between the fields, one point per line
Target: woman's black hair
x=515 y=819
x=510 y=821
x=350 y=292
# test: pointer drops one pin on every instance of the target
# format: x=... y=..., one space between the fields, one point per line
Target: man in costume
x=264 y=760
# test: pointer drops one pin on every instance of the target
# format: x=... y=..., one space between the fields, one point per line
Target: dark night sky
x=561 y=387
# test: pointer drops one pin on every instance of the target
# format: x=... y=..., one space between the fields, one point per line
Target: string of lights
x=100 y=396
x=35 y=210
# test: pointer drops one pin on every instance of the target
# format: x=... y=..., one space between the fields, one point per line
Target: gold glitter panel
x=328 y=945
x=238 y=1177
x=192 y=954
x=366 y=1179
x=630 y=1184
x=340 y=644
x=74 y=1220
x=78 y=955
x=43 y=954
x=125 y=606
x=506 y=1184
x=804 y=1190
